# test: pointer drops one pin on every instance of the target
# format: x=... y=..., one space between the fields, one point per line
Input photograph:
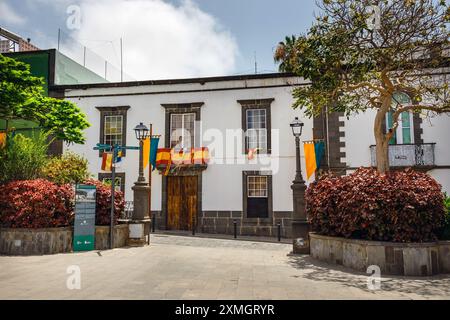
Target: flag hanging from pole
x=107 y=161
x=154 y=151
x=119 y=160
x=2 y=139
x=150 y=150
x=314 y=151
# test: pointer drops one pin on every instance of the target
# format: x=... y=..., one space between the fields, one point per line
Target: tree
x=22 y=97
x=362 y=55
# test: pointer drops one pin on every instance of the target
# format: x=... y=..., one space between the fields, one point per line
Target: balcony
x=408 y=155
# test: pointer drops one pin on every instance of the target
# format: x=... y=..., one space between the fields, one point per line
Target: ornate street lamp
x=300 y=226
x=142 y=133
x=140 y=223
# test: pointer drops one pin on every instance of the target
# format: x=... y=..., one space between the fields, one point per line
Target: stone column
x=141 y=221
x=300 y=226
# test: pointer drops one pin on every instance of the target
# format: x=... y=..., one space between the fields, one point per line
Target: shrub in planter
x=68 y=168
x=104 y=203
x=445 y=235
x=36 y=204
x=400 y=206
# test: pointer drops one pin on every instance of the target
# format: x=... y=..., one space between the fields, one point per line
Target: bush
x=68 y=168
x=445 y=235
x=402 y=206
x=23 y=158
x=104 y=203
x=36 y=204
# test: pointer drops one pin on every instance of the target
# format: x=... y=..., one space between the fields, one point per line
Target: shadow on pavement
x=322 y=271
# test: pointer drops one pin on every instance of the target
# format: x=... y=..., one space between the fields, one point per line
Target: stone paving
x=175 y=267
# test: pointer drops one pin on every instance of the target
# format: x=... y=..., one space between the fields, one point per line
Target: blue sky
x=168 y=38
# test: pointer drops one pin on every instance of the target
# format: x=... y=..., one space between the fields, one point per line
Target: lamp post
x=140 y=222
x=300 y=226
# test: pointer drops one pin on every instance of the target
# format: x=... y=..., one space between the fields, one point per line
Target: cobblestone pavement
x=175 y=267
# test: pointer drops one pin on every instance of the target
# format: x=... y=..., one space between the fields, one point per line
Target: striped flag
x=2 y=139
x=107 y=161
x=119 y=160
x=314 y=151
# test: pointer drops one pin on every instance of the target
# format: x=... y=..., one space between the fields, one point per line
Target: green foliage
x=22 y=97
x=23 y=158
x=349 y=62
x=446 y=229
x=68 y=168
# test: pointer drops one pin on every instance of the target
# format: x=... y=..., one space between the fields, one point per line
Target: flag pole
x=150 y=181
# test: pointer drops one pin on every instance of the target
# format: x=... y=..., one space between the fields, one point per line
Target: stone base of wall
x=222 y=222
x=408 y=259
x=29 y=242
x=35 y=241
x=121 y=233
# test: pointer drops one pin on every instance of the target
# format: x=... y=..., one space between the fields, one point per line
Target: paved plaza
x=176 y=267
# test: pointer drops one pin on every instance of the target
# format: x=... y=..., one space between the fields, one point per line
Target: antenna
x=256 y=64
x=121 y=60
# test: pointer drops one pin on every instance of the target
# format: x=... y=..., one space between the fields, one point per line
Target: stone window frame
x=265 y=104
x=113 y=111
x=269 y=175
x=181 y=108
x=107 y=175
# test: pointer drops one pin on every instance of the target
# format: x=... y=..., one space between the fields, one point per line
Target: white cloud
x=161 y=40
x=8 y=15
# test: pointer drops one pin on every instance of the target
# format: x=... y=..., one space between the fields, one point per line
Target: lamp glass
x=141 y=132
x=297 y=127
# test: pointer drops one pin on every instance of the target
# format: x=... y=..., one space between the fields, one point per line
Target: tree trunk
x=382 y=140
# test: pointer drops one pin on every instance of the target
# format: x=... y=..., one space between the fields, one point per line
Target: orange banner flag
x=310 y=159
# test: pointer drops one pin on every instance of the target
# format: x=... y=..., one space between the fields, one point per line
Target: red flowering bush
x=36 y=204
x=400 y=206
x=104 y=203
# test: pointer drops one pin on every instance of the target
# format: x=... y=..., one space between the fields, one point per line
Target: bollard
x=279 y=232
x=235 y=228
x=154 y=223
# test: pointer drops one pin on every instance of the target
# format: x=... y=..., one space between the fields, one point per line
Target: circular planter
x=35 y=241
x=408 y=259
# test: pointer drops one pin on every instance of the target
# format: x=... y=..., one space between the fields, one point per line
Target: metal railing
x=128 y=211
x=408 y=155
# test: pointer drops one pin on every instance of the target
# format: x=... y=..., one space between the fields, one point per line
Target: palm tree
x=285 y=52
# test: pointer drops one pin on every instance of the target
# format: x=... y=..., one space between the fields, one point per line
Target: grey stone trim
x=417 y=129
x=170 y=109
x=113 y=111
x=333 y=140
x=257 y=104
x=222 y=222
x=245 y=174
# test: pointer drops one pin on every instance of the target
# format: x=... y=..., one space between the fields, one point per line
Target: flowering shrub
x=404 y=206
x=36 y=204
x=104 y=203
x=68 y=168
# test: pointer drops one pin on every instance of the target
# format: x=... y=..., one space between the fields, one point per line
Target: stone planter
x=27 y=242
x=35 y=241
x=121 y=233
x=408 y=259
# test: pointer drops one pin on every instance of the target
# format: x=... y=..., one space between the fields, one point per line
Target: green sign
x=84 y=226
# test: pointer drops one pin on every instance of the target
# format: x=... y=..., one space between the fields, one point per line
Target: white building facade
x=230 y=116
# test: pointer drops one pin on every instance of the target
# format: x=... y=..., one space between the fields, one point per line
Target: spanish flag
x=314 y=151
x=107 y=161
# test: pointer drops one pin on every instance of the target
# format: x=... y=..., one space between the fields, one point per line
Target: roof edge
x=173 y=81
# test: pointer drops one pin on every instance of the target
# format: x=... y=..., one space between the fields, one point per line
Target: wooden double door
x=182 y=203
